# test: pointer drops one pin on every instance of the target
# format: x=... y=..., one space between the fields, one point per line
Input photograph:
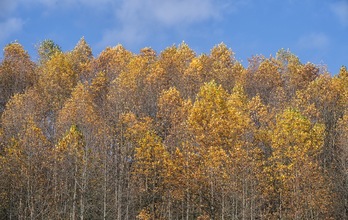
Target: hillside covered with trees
x=170 y=135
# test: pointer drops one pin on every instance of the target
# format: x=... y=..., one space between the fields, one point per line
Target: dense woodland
x=173 y=135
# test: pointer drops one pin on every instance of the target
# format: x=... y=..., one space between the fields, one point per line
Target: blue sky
x=314 y=30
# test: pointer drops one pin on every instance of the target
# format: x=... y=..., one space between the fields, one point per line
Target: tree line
x=170 y=135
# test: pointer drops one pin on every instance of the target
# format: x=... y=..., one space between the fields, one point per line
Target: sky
x=314 y=30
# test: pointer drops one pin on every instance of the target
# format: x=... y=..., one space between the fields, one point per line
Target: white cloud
x=317 y=41
x=70 y=3
x=9 y=27
x=340 y=9
x=134 y=20
x=167 y=12
x=8 y=6
x=138 y=19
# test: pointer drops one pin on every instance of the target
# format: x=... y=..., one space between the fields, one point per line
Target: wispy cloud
x=9 y=24
x=9 y=27
x=137 y=19
x=132 y=21
x=167 y=12
x=70 y=3
x=9 y=5
x=316 y=41
x=340 y=9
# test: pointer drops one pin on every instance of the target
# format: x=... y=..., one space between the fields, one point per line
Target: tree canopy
x=170 y=135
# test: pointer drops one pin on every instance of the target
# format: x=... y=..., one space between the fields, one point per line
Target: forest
x=170 y=135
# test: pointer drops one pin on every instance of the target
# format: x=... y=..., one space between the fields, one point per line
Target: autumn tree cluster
x=173 y=135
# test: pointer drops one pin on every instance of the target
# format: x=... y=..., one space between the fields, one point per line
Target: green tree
x=46 y=49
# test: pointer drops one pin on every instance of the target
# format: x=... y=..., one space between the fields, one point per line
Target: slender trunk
x=187 y=204
x=81 y=207
x=83 y=185
x=120 y=181
x=280 y=206
x=236 y=207
x=29 y=191
x=223 y=205
x=74 y=194
x=55 y=181
x=117 y=155
x=20 y=208
x=128 y=197
x=116 y=187
x=105 y=187
x=252 y=199
x=243 y=198
x=169 y=206
x=211 y=208
x=105 y=148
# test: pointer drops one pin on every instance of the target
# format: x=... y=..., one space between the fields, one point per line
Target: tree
x=71 y=161
x=130 y=131
x=55 y=84
x=17 y=73
x=170 y=116
x=343 y=73
x=342 y=177
x=296 y=145
x=296 y=75
x=25 y=175
x=81 y=58
x=150 y=170
x=225 y=69
x=170 y=136
x=57 y=80
x=112 y=61
x=208 y=116
x=46 y=49
x=324 y=101
x=19 y=109
x=195 y=75
x=130 y=91
x=263 y=78
x=175 y=60
x=218 y=123
x=80 y=110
